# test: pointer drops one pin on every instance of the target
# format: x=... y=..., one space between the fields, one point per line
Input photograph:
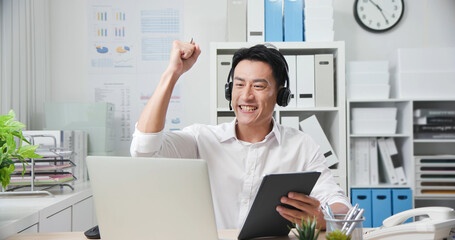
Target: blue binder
x=293 y=20
x=401 y=201
x=273 y=20
x=381 y=205
x=362 y=196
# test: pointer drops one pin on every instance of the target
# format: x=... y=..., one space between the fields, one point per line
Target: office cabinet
x=331 y=116
x=83 y=215
x=56 y=222
x=31 y=229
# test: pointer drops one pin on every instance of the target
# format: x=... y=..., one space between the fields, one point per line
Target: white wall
x=426 y=23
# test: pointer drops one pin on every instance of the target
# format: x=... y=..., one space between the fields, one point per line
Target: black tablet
x=263 y=220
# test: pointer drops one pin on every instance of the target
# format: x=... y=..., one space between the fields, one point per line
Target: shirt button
x=244 y=201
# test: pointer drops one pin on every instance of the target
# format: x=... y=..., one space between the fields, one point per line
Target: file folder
x=312 y=127
x=273 y=20
x=362 y=196
x=305 y=81
x=293 y=20
x=255 y=21
x=236 y=20
x=292 y=121
x=291 y=60
x=401 y=201
x=381 y=205
x=224 y=63
x=324 y=90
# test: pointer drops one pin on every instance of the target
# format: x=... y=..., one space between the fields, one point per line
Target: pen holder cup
x=352 y=227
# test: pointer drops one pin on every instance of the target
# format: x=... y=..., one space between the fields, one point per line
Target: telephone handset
x=438 y=226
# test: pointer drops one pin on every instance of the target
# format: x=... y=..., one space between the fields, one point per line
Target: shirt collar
x=229 y=132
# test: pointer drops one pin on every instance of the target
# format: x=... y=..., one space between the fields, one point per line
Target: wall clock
x=378 y=15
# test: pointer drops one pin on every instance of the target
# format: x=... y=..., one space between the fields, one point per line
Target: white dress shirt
x=236 y=168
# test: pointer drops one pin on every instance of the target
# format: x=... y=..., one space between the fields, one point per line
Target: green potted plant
x=10 y=135
x=337 y=235
x=306 y=230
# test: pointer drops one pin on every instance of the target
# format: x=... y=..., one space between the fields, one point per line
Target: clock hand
x=380 y=10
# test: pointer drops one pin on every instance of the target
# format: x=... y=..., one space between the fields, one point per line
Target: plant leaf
x=28 y=151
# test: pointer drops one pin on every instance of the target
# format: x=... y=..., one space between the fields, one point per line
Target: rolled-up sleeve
x=177 y=144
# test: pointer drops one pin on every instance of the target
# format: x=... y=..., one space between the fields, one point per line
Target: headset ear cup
x=283 y=97
x=228 y=91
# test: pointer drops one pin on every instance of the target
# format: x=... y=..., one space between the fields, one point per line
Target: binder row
x=280 y=20
x=311 y=80
x=375 y=161
x=380 y=204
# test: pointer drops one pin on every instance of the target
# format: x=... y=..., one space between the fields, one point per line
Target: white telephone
x=438 y=226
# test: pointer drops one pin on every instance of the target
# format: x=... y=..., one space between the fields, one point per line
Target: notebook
x=150 y=198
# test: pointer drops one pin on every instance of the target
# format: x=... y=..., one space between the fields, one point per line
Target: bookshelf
x=426 y=186
x=332 y=119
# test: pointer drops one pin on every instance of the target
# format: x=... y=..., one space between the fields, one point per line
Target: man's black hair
x=264 y=53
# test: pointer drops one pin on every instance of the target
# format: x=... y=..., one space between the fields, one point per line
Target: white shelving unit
x=410 y=148
x=332 y=119
x=402 y=137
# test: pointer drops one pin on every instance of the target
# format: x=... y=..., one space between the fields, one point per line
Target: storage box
x=318 y=12
x=434 y=85
x=373 y=126
x=377 y=113
x=367 y=66
x=368 y=78
x=317 y=24
x=368 y=91
x=319 y=36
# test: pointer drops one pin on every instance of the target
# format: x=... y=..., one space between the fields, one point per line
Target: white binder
x=312 y=127
x=305 y=81
x=236 y=20
x=324 y=80
x=291 y=60
x=387 y=165
x=292 y=122
x=223 y=66
x=255 y=21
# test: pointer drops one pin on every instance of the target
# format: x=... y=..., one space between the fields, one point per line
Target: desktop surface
x=223 y=234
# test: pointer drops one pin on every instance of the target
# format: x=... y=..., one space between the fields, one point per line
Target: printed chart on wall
x=128 y=48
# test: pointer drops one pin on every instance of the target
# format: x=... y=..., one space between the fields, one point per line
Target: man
x=239 y=153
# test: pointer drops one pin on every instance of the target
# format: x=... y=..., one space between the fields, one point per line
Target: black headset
x=282 y=99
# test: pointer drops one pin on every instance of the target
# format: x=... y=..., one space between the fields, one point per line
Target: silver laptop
x=150 y=198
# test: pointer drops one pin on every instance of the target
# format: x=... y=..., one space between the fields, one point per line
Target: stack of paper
x=318 y=20
x=380 y=120
x=368 y=80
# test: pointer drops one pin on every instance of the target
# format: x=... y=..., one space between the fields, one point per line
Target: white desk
x=23 y=213
x=223 y=234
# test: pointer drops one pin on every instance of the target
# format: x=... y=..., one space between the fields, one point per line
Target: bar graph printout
x=128 y=48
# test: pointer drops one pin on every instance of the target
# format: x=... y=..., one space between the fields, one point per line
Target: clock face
x=378 y=15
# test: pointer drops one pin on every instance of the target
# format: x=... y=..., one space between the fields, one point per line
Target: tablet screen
x=263 y=220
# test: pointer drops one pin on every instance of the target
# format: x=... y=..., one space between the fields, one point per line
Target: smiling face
x=254 y=94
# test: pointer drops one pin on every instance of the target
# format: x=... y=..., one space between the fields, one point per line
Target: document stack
x=364 y=158
x=380 y=120
x=368 y=80
x=434 y=123
x=318 y=20
x=425 y=73
x=435 y=176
